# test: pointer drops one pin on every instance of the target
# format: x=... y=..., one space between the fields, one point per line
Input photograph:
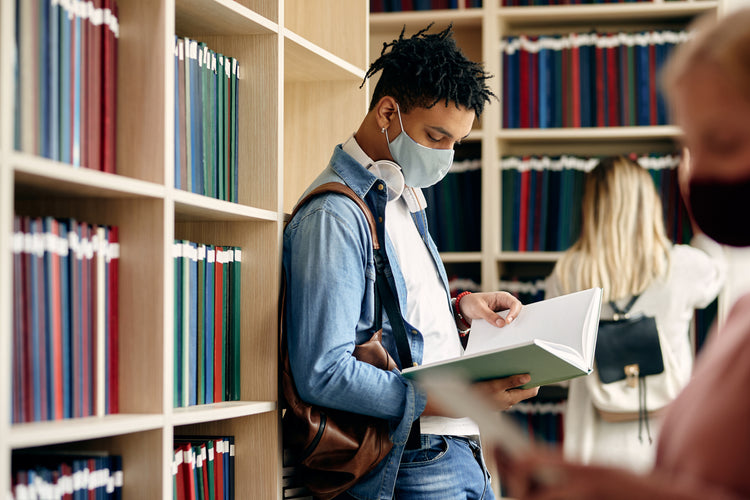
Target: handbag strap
x=384 y=296
x=622 y=313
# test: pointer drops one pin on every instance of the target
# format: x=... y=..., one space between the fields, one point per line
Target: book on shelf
x=66 y=81
x=65 y=332
x=541 y=199
x=46 y=473
x=206 y=133
x=421 y=5
x=203 y=468
x=454 y=206
x=207 y=323
x=537 y=342
x=585 y=79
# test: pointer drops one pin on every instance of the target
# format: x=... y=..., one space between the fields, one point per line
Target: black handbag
x=628 y=348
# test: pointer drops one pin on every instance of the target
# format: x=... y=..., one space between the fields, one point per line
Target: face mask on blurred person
x=720 y=208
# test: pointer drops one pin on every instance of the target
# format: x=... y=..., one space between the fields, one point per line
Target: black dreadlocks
x=425 y=69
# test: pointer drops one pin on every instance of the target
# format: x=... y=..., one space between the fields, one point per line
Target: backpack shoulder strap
x=338 y=187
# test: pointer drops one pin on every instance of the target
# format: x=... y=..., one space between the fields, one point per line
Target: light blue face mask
x=422 y=166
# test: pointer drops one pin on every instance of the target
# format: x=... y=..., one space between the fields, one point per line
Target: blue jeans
x=444 y=468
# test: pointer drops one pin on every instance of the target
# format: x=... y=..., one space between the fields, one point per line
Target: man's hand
x=503 y=392
x=485 y=305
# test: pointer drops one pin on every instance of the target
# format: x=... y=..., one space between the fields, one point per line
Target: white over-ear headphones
x=391 y=173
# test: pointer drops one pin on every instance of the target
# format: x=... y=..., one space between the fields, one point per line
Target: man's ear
x=385 y=111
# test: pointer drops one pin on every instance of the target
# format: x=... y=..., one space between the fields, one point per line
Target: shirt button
x=416 y=364
x=380 y=187
x=380 y=219
x=414 y=332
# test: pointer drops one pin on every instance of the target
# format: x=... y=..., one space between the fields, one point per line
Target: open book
x=552 y=340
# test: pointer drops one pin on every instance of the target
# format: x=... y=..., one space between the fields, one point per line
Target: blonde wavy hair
x=724 y=43
x=623 y=246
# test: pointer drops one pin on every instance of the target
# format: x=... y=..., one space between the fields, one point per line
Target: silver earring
x=382 y=130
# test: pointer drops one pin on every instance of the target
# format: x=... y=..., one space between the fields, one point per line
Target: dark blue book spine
x=178 y=258
x=543 y=208
x=642 y=85
x=177 y=131
x=516 y=210
x=37 y=324
x=531 y=210
x=586 y=54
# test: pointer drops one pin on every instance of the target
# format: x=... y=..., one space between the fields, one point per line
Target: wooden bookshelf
x=301 y=66
x=478 y=33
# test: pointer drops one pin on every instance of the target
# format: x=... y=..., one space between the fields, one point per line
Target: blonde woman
x=623 y=248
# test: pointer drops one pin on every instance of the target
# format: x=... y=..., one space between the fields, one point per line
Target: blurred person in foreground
x=704 y=447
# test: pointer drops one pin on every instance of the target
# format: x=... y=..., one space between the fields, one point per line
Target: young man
x=425 y=102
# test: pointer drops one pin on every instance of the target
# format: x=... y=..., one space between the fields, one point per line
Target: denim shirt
x=330 y=271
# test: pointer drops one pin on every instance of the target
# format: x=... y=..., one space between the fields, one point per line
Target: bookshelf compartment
x=259 y=275
x=308 y=20
x=141 y=228
x=224 y=17
x=140 y=477
x=256 y=450
x=258 y=115
x=141 y=97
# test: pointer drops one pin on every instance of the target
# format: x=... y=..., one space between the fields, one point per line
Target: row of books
x=585 y=79
x=53 y=476
x=65 y=319
x=203 y=468
x=205 y=115
x=65 y=81
x=407 y=5
x=207 y=323
x=454 y=208
x=526 y=3
x=541 y=200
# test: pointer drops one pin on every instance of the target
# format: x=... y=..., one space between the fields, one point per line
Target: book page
x=562 y=323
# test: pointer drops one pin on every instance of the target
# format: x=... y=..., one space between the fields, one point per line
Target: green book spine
x=226 y=295
x=176 y=369
x=236 y=323
x=220 y=110
x=186 y=312
x=210 y=467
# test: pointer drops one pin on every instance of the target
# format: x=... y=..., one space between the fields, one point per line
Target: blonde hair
x=623 y=246
x=724 y=43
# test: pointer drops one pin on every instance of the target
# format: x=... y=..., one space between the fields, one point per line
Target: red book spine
x=652 y=84
x=613 y=93
x=114 y=321
x=523 y=90
x=565 y=69
x=95 y=95
x=219 y=468
x=575 y=69
x=523 y=216
x=56 y=325
x=179 y=473
x=537 y=200
x=44 y=354
x=190 y=465
x=109 y=100
x=206 y=465
x=600 y=73
x=219 y=326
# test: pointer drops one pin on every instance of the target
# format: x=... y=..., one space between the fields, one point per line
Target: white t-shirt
x=427 y=303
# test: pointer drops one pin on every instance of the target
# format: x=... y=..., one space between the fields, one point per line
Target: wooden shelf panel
x=40 y=175
x=395 y=21
x=528 y=256
x=191 y=207
x=69 y=430
x=641 y=12
x=588 y=134
x=461 y=256
x=306 y=62
x=219 y=17
x=220 y=411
